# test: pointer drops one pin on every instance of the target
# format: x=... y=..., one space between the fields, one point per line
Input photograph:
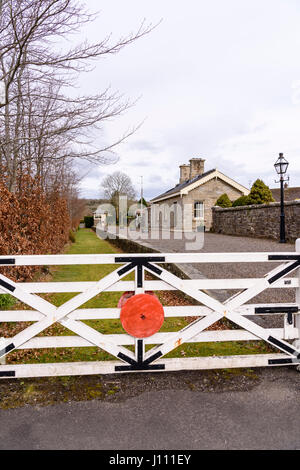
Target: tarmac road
x=265 y=417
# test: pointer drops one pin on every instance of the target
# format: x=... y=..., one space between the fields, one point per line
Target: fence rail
x=70 y=315
x=241 y=257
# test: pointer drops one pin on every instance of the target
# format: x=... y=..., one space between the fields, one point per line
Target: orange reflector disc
x=142 y=315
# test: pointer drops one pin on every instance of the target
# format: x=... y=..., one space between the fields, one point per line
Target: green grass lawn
x=88 y=243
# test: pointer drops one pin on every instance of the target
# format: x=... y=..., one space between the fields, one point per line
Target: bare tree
x=115 y=185
x=41 y=127
x=39 y=124
x=28 y=28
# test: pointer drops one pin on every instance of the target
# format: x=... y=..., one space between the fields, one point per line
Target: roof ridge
x=184 y=184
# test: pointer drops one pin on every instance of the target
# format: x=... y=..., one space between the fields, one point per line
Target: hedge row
x=31 y=222
x=260 y=194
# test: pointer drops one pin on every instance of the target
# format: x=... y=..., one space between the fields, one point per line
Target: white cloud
x=215 y=79
x=258 y=147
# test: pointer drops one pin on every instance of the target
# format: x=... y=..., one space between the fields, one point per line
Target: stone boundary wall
x=262 y=221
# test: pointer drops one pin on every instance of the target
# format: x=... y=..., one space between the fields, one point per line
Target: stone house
x=190 y=202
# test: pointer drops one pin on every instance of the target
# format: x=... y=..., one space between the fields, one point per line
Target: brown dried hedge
x=31 y=222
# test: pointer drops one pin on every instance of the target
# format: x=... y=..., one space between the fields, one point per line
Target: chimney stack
x=196 y=167
x=184 y=173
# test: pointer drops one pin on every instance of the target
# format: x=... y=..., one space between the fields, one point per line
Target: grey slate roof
x=181 y=186
x=290 y=194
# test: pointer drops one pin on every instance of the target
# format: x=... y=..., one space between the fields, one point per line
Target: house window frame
x=166 y=210
x=175 y=212
x=199 y=210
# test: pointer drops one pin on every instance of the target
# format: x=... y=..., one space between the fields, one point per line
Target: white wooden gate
x=236 y=309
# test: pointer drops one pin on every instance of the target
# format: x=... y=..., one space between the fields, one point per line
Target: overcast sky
x=216 y=79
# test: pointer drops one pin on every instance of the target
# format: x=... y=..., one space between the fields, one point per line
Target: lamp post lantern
x=281 y=167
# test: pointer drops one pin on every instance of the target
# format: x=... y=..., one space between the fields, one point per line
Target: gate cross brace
x=60 y=314
x=220 y=310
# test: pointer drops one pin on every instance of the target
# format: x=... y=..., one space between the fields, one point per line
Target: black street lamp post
x=281 y=167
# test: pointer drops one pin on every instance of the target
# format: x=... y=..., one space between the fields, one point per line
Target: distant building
x=200 y=190
x=100 y=216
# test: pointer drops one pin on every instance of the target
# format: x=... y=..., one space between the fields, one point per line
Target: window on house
x=175 y=213
x=166 y=210
x=198 y=210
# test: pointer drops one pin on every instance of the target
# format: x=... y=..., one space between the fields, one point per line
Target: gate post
x=297 y=320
